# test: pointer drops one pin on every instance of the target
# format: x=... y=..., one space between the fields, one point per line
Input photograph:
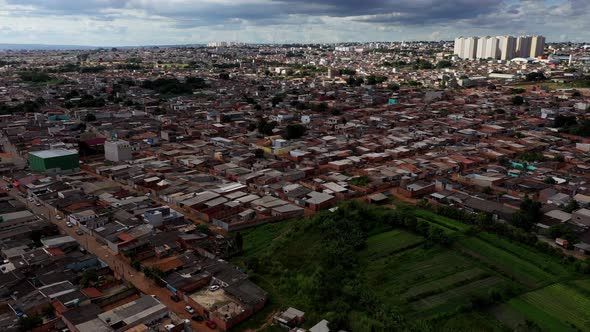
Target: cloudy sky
x=150 y=22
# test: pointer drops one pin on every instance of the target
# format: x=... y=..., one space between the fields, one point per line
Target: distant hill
x=31 y=47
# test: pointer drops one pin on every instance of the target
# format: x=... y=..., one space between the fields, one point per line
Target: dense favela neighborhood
x=407 y=186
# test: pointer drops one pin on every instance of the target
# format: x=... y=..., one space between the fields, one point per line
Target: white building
x=537 y=46
x=459 y=46
x=482 y=45
x=507 y=47
x=501 y=47
x=492 y=48
x=118 y=150
x=470 y=48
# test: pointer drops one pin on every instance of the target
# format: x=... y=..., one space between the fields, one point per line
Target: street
x=119 y=266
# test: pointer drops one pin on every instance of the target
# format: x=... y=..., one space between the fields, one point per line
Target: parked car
x=37 y=204
x=58 y=217
x=69 y=224
x=211 y=324
x=214 y=288
x=168 y=327
x=175 y=298
x=189 y=309
x=198 y=318
x=79 y=232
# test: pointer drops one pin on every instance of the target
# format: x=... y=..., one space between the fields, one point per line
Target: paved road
x=120 y=267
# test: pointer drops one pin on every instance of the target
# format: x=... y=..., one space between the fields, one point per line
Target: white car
x=37 y=204
x=58 y=217
x=169 y=327
x=214 y=288
x=189 y=309
x=69 y=224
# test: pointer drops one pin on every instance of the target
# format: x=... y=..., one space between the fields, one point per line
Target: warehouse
x=54 y=161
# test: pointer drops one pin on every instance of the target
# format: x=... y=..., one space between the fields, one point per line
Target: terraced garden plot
x=460 y=293
x=545 y=262
x=563 y=303
x=440 y=285
x=536 y=315
x=445 y=229
x=525 y=272
x=385 y=244
x=441 y=220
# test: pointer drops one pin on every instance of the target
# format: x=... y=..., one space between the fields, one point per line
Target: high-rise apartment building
x=482 y=45
x=459 y=46
x=492 y=48
x=507 y=47
x=470 y=48
x=537 y=46
x=501 y=47
x=523 y=46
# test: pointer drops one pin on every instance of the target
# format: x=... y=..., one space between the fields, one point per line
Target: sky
x=160 y=22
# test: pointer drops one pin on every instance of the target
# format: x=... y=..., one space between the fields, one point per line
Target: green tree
x=90 y=117
x=572 y=206
x=239 y=241
x=28 y=323
x=89 y=276
x=517 y=100
x=295 y=131
x=259 y=153
x=49 y=311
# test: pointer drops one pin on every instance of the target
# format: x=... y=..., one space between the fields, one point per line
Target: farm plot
x=461 y=294
x=564 y=303
x=531 y=313
x=440 y=220
x=507 y=263
x=443 y=284
x=385 y=244
x=545 y=262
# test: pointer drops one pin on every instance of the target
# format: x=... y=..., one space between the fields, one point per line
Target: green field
x=440 y=220
x=525 y=272
x=302 y=262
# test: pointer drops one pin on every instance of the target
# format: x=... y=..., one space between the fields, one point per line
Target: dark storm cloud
x=195 y=13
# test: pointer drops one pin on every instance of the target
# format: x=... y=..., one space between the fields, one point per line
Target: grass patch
x=440 y=220
x=503 y=261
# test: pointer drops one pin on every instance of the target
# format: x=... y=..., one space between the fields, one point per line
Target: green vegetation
x=360 y=181
x=295 y=131
x=28 y=323
x=367 y=268
x=172 y=86
x=34 y=76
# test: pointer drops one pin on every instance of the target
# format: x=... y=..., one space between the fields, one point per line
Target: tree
x=276 y=99
x=549 y=180
x=224 y=76
x=203 y=228
x=572 y=206
x=295 y=131
x=136 y=265
x=88 y=277
x=265 y=127
x=517 y=100
x=444 y=64
x=529 y=214
x=535 y=76
x=239 y=241
x=28 y=323
x=259 y=153
x=90 y=117
x=49 y=311
x=487 y=190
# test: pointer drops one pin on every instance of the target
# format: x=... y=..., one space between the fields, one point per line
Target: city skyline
x=153 y=22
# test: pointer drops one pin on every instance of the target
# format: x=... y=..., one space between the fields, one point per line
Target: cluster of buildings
x=499 y=48
x=163 y=181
